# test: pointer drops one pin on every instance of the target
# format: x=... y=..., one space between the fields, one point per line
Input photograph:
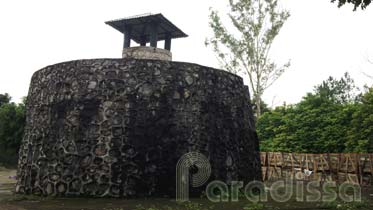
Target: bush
x=12 y=122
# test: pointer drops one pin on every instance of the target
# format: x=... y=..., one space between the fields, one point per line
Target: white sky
x=319 y=38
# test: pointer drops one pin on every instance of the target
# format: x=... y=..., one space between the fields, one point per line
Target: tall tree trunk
x=258 y=106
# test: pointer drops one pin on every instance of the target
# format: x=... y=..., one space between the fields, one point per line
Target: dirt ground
x=6 y=183
x=4 y=175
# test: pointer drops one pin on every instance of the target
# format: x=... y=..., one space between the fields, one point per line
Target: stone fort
x=117 y=127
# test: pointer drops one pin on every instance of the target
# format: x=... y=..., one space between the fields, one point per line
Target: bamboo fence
x=344 y=167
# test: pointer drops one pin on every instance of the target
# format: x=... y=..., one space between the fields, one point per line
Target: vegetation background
x=12 y=123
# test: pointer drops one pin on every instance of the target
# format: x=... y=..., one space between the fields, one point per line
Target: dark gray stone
x=117 y=127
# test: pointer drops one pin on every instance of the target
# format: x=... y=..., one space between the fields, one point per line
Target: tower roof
x=141 y=27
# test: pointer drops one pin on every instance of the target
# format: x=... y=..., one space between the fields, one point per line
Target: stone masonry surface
x=117 y=127
x=147 y=53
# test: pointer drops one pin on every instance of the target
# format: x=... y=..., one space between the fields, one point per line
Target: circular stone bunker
x=117 y=127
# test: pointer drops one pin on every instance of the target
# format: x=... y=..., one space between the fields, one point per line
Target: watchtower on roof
x=147 y=28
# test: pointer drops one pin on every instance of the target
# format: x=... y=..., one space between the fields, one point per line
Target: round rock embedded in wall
x=117 y=127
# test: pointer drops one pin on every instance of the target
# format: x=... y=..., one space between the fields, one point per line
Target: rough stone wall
x=117 y=127
x=147 y=53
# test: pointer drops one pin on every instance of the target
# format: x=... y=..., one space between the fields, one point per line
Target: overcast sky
x=319 y=39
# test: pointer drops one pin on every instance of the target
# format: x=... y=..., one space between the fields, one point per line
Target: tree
x=338 y=91
x=263 y=107
x=4 y=99
x=256 y=24
x=366 y=74
x=275 y=128
x=360 y=137
x=12 y=122
x=314 y=125
x=319 y=123
x=357 y=3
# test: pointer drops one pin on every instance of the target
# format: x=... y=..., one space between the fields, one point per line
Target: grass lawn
x=9 y=201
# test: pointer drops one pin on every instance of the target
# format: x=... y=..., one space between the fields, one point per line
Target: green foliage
x=338 y=91
x=195 y=206
x=263 y=107
x=4 y=99
x=140 y=207
x=346 y=205
x=184 y=206
x=257 y=22
x=360 y=136
x=332 y=119
x=12 y=122
x=254 y=206
x=357 y=3
x=258 y=206
x=114 y=209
